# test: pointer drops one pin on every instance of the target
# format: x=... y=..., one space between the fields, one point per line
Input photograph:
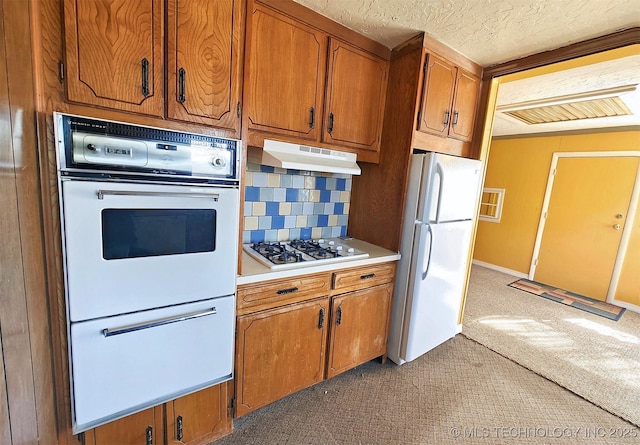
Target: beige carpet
x=596 y=358
x=459 y=393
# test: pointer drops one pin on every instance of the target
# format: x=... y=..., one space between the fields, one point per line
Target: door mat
x=597 y=307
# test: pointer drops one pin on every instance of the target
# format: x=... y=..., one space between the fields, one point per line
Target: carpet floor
x=596 y=358
x=459 y=393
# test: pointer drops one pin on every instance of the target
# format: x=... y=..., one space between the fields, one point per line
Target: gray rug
x=595 y=358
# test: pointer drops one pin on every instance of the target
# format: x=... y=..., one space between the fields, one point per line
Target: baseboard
x=629 y=306
x=515 y=273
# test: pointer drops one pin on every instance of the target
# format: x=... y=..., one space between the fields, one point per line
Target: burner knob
x=338 y=247
x=331 y=243
x=351 y=250
x=218 y=161
x=320 y=241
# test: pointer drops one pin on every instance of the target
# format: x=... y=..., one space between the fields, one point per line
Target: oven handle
x=102 y=193
x=160 y=322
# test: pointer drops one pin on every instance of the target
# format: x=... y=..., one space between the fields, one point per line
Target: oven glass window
x=135 y=233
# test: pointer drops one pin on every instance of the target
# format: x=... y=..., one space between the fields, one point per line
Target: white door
x=435 y=296
x=133 y=247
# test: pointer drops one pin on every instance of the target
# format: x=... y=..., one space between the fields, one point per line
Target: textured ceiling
x=485 y=31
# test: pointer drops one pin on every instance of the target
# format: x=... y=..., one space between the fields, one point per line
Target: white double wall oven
x=149 y=224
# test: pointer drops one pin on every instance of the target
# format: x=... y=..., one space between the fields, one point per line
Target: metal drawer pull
x=102 y=193
x=339 y=316
x=160 y=322
x=179 y=434
x=367 y=276
x=321 y=318
x=287 y=291
x=149 y=436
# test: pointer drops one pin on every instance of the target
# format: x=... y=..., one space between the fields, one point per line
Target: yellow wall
x=521 y=167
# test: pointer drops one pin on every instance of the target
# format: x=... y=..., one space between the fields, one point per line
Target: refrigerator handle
x=427 y=254
x=440 y=175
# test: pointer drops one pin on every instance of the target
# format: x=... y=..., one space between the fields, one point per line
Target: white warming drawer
x=116 y=373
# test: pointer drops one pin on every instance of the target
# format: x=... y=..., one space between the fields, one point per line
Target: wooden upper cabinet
x=284 y=81
x=449 y=100
x=115 y=54
x=356 y=92
x=439 y=83
x=204 y=46
x=465 y=103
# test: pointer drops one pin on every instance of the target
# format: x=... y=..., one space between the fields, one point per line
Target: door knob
x=616 y=226
x=619 y=216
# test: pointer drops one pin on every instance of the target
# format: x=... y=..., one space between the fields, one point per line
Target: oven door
x=132 y=247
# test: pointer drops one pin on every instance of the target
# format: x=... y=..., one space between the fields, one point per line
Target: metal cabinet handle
x=109 y=332
x=145 y=77
x=330 y=129
x=287 y=291
x=367 y=276
x=447 y=114
x=102 y=193
x=339 y=316
x=312 y=117
x=179 y=433
x=149 y=436
x=321 y=318
x=455 y=118
x=181 y=85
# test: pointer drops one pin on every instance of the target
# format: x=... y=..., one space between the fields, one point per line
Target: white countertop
x=253 y=271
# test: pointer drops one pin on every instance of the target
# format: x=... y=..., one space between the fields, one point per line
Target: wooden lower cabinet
x=195 y=419
x=359 y=328
x=279 y=352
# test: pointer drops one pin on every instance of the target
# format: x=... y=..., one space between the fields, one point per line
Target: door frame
x=628 y=224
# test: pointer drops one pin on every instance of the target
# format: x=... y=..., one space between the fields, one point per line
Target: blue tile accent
x=307 y=208
x=246 y=236
x=257 y=236
x=277 y=222
x=266 y=194
x=286 y=181
x=326 y=232
x=267 y=169
x=331 y=183
x=279 y=194
x=259 y=179
x=273 y=208
x=343 y=220
x=325 y=195
x=329 y=208
x=335 y=231
x=343 y=230
x=296 y=208
x=252 y=194
x=321 y=183
x=341 y=184
x=294 y=234
x=248 y=208
x=318 y=208
x=271 y=235
x=335 y=196
x=289 y=222
x=292 y=195
x=298 y=182
x=338 y=208
x=312 y=221
x=305 y=233
x=323 y=220
x=264 y=222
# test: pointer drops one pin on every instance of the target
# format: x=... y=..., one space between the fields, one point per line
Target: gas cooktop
x=301 y=253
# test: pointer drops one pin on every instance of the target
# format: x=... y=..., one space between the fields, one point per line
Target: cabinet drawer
x=267 y=295
x=363 y=277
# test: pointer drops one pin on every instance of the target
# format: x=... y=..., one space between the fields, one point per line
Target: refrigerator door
x=435 y=292
x=450 y=188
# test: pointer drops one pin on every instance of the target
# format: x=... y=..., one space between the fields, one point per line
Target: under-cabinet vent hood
x=302 y=157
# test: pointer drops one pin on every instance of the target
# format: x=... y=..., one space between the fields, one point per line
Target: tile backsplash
x=282 y=205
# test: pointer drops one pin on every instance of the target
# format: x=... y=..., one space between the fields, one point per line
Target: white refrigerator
x=442 y=199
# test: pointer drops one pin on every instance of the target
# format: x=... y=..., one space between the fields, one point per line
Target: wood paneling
x=376 y=211
x=363 y=277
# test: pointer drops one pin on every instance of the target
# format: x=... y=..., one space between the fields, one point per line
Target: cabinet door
x=284 y=80
x=464 y=106
x=356 y=91
x=279 y=352
x=359 y=328
x=204 y=44
x=114 y=54
x=136 y=429
x=437 y=95
x=199 y=418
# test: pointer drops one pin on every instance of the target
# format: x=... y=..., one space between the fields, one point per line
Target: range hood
x=302 y=157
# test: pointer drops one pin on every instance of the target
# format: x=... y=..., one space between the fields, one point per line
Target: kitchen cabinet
x=356 y=92
x=304 y=84
x=198 y=418
x=115 y=54
x=359 y=317
x=194 y=419
x=115 y=58
x=144 y=427
x=279 y=352
x=285 y=68
x=283 y=330
x=449 y=100
x=204 y=41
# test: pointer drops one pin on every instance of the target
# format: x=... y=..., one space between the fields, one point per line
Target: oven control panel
x=118 y=149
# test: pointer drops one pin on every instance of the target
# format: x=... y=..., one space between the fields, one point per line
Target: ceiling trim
x=607 y=42
x=568 y=133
